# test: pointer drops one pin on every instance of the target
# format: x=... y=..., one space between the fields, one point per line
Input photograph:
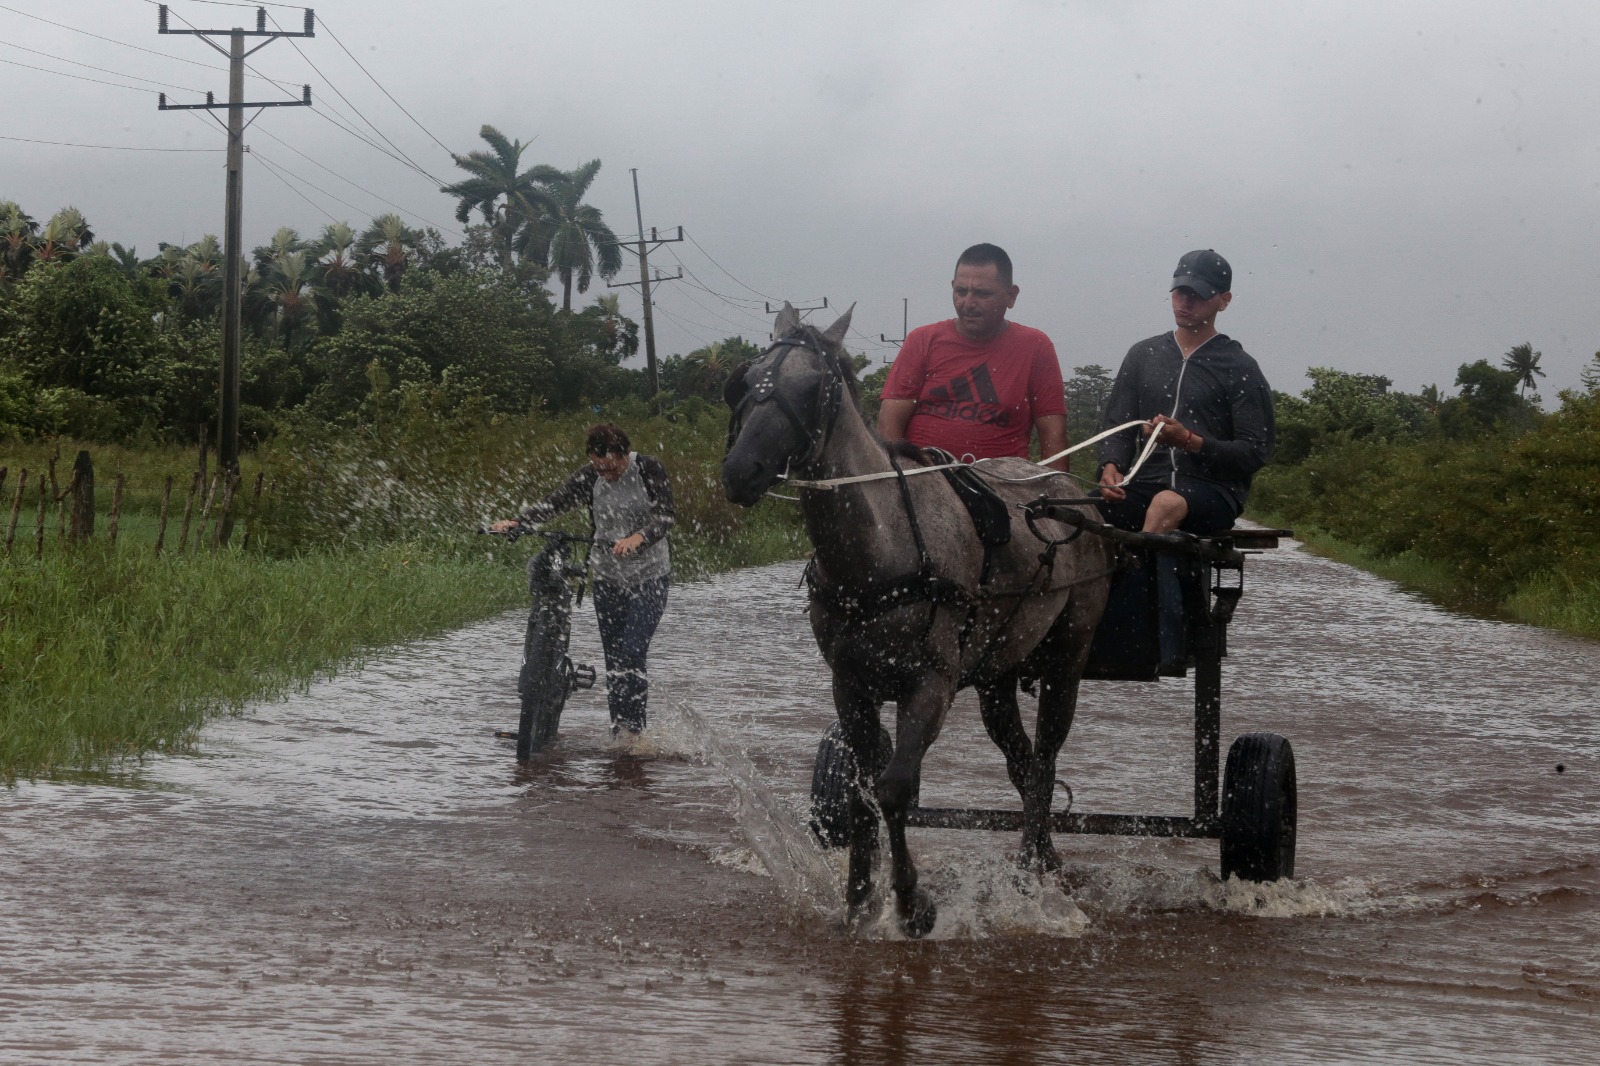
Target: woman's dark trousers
x=628 y=616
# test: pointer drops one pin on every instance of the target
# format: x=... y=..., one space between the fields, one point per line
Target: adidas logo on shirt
x=970 y=397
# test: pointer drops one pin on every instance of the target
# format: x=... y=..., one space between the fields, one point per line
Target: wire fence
x=212 y=507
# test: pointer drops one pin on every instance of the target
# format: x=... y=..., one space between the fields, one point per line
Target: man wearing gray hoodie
x=1208 y=404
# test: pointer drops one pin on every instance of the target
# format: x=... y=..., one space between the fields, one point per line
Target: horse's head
x=784 y=404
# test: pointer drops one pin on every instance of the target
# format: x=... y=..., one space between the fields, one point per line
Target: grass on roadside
x=1552 y=600
x=107 y=652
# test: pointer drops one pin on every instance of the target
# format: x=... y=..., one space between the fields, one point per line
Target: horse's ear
x=835 y=333
x=735 y=389
x=787 y=322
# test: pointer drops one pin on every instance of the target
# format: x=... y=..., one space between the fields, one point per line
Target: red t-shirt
x=976 y=399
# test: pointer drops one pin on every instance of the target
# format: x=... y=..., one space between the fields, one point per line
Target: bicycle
x=548 y=674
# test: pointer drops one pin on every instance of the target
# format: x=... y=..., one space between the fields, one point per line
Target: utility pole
x=233 y=254
x=803 y=311
x=905 y=314
x=644 y=282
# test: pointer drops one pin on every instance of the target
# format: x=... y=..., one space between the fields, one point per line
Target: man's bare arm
x=893 y=417
x=1053 y=438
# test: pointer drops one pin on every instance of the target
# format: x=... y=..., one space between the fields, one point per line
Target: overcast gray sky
x=1400 y=187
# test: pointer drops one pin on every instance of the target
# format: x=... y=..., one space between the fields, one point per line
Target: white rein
x=833 y=483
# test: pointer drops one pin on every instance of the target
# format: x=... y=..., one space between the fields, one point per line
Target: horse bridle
x=762 y=385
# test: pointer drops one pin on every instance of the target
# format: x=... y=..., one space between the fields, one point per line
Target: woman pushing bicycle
x=630 y=508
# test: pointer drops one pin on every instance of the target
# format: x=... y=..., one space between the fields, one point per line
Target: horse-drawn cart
x=1167 y=613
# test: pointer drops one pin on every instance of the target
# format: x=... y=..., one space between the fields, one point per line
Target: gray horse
x=898 y=600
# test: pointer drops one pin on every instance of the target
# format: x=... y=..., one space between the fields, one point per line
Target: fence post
x=255 y=504
x=82 y=497
x=161 y=530
x=38 y=531
x=188 y=509
x=230 y=484
x=116 y=509
x=205 y=512
x=16 y=508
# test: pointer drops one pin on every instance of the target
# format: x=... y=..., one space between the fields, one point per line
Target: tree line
x=100 y=343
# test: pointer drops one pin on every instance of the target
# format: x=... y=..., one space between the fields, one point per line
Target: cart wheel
x=830 y=785
x=1258 y=809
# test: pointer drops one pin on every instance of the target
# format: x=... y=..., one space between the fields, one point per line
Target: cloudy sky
x=1401 y=188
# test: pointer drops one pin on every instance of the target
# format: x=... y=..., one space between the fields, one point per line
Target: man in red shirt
x=977 y=385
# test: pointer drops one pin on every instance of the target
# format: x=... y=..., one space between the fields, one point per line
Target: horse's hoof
x=1040 y=859
x=916 y=920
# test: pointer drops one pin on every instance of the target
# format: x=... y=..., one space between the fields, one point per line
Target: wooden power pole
x=233 y=252
x=644 y=283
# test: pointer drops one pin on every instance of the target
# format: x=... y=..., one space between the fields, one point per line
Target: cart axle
x=1127 y=825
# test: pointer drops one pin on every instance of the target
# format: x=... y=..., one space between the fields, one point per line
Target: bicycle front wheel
x=542 y=683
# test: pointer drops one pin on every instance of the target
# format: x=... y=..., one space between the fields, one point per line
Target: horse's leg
x=858 y=716
x=1003 y=722
x=1065 y=650
x=1058 y=698
x=921 y=713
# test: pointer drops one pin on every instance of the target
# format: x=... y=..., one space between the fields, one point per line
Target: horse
x=905 y=604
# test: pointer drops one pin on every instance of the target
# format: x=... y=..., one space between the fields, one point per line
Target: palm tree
x=63 y=236
x=1523 y=361
x=17 y=231
x=284 y=242
x=127 y=260
x=507 y=196
x=707 y=368
x=292 y=292
x=196 y=286
x=1590 y=375
x=337 y=266
x=1430 y=398
x=578 y=244
x=388 y=244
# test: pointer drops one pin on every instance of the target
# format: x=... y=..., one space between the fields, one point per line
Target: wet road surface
x=360 y=873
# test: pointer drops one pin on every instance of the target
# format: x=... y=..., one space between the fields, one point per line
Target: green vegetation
x=363 y=539
x=396 y=392
x=1480 y=500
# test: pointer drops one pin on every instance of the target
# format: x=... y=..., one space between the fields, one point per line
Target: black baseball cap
x=1204 y=271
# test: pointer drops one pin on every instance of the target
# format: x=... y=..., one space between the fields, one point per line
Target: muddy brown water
x=360 y=874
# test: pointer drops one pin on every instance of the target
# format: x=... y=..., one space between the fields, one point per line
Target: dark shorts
x=1211 y=510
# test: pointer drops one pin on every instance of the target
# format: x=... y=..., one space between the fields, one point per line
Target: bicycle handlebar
x=516 y=532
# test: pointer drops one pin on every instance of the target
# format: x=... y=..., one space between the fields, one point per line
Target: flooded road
x=359 y=873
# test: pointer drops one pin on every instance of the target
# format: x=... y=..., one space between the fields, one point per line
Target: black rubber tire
x=542 y=685
x=1259 y=809
x=830 y=785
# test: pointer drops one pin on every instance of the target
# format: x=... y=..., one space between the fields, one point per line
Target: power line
x=91 y=66
x=274 y=172
x=412 y=162
x=363 y=188
x=714 y=314
x=80 y=77
x=112 y=147
x=710 y=331
x=375 y=146
x=236 y=3
x=724 y=269
x=303 y=181
x=734 y=301
x=125 y=44
x=385 y=92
